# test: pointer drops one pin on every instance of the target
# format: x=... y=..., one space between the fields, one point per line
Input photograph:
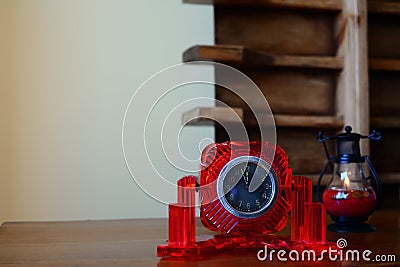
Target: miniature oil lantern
x=349 y=198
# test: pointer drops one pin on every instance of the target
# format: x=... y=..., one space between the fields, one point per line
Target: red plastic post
x=316 y=215
x=301 y=195
x=182 y=224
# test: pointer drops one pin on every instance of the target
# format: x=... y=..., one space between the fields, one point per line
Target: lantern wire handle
x=322 y=138
x=377 y=181
x=328 y=163
x=375 y=135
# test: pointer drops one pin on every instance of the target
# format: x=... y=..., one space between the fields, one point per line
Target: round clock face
x=247 y=186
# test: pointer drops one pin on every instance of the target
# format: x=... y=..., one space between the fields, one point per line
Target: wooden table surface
x=133 y=243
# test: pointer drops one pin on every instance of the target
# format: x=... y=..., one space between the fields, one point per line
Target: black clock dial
x=237 y=190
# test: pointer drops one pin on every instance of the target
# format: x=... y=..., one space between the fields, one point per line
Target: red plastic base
x=236 y=244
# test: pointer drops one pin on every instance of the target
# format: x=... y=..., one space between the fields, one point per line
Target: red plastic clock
x=230 y=204
x=246 y=192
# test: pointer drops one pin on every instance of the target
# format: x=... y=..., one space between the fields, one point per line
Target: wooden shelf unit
x=319 y=67
x=210 y=115
x=238 y=55
x=384 y=84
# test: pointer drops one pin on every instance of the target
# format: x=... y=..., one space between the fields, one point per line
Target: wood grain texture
x=384 y=64
x=384 y=6
x=308 y=121
x=290 y=54
x=66 y=232
x=385 y=122
x=305 y=121
x=288 y=91
x=306 y=155
x=285 y=32
x=238 y=55
x=384 y=94
x=62 y=244
x=384 y=43
x=385 y=153
x=227 y=115
x=383 y=36
x=391 y=178
x=209 y=115
x=329 y=5
x=352 y=91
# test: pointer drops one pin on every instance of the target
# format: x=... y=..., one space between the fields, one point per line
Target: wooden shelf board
x=390 y=178
x=384 y=6
x=329 y=5
x=308 y=121
x=384 y=64
x=208 y=115
x=234 y=54
x=385 y=122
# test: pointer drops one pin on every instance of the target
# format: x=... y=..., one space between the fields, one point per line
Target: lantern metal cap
x=348 y=144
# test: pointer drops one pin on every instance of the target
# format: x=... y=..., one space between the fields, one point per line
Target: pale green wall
x=72 y=67
x=5 y=91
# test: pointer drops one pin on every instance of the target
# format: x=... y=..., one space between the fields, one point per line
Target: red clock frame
x=215 y=216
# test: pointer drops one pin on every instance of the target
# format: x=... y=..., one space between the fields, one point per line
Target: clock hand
x=256 y=182
x=245 y=176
